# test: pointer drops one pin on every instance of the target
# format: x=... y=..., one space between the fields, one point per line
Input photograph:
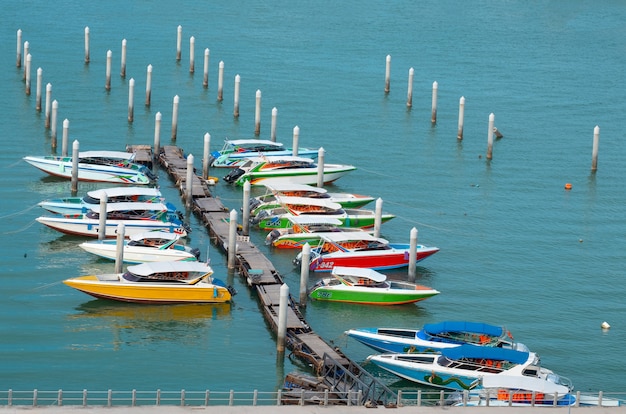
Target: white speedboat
x=81 y=205
x=99 y=166
x=152 y=246
x=235 y=151
x=136 y=217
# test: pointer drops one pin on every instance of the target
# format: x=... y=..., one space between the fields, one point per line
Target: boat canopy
x=304 y=220
x=350 y=235
x=122 y=155
x=306 y=201
x=290 y=186
x=485 y=352
x=244 y=142
x=155 y=235
x=130 y=206
x=150 y=268
x=125 y=191
x=462 y=327
x=280 y=158
x=372 y=274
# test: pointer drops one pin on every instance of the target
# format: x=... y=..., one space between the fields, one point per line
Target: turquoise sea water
x=516 y=248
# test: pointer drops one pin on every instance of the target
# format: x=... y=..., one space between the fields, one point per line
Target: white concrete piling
x=296 y=138
x=378 y=217
x=412 y=254
x=232 y=239
x=18 y=60
x=119 y=248
x=189 y=182
x=257 y=114
x=220 y=81
x=29 y=60
x=131 y=100
x=102 y=219
x=87 y=58
x=304 y=273
x=26 y=52
x=175 y=117
x=123 y=60
x=53 y=123
x=74 y=179
x=387 y=73
x=192 y=54
x=459 y=133
x=157 y=134
x=273 y=124
x=490 y=136
x=107 y=83
x=283 y=306
x=206 y=156
x=66 y=137
x=39 y=87
x=245 y=207
x=205 y=78
x=320 y=167
x=48 y=104
x=236 y=97
x=148 y=85
x=409 y=94
x=594 y=152
x=433 y=113
x=179 y=42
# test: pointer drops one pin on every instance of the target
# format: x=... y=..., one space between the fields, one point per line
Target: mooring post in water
x=387 y=73
x=29 y=60
x=53 y=123
x=175 y=117
x=131 y=100
x=18 y=61
x=38 y=93
x=378 y=215
x=220 y=81
x=48 y=104
x=119 y=248
x=107 y=83
x=179 y=42
x=594 y=153
x=236 y=98
x=245 y=207
x=192 y=54
x=26 y=52
x=459 y=134
x=282 y=317
x=87 y=44
x=320 y=167
x=206 y=156
x=257 y=113
x=148 y=85
x=412 y=254
x=102 y=228
x=305 y=264
x=74 y=180
x=189 y=181
x=409 y=94
x=433 y=113
x=296 y=139
x=492 y=118
x=205 y=77
x=157 y=134
x=65 y=139
x=123 y=60
x=273 y=125
x=232 y=239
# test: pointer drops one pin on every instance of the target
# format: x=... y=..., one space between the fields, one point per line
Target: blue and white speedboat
x=436 y=336
x=235 y=151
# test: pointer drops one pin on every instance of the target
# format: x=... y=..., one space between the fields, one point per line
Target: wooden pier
x=260 y=274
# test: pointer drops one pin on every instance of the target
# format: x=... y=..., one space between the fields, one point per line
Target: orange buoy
x=568 y=186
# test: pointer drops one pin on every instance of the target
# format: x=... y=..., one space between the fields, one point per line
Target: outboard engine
x=148 y=172
x=196 y=252
x=257 y=219
x=254 y=203
x=232 y=176
x=273 y=235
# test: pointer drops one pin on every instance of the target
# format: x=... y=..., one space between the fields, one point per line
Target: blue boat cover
x=460 y=326
x=485 y=352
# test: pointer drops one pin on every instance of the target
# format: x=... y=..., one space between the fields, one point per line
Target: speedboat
x=273 y=169
x=468 y=367
x=434 y=337
x=354 y=249
x=271 y=198
x=81 y=205
x=304 y=229
x=151 y=246
x=367 y=286
x=235 y=151
x=99 y=166
x=157 y=282
x=280 y=217
x=136 y=217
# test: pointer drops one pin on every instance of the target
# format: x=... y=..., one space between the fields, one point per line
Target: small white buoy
x=605 y=325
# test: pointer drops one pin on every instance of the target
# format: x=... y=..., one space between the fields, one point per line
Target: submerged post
x=490 y=136
x=74 y=180
x=378 y=217
x=232 y=239
x=320 y=167
x=409 y=94
x=102 y=218
x=119 y=248
x=594 y=152
x=245 y=219
x=189 y=182
x=459 y=133
x=304 y=273
x=86 y=44
x=433 y=113
x=412 y=254
x=282 y=317
x=387 y=73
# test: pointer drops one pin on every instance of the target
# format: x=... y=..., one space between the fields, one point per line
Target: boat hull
x=372 y=296
x=91 y=227
x=236 y=159
x=109 y=287
x=362 y=221
x=138 y=254
x=298 y=176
